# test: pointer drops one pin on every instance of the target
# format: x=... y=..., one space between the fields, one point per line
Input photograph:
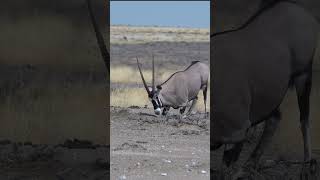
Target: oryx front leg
x=183 y=109
x=165 y=110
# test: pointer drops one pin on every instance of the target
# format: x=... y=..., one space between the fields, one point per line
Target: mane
x=192 y=63
x=263 y=7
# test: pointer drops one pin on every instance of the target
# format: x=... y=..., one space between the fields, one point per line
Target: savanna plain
x=145 y=146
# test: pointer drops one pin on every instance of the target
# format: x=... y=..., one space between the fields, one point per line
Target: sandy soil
x=147 y=147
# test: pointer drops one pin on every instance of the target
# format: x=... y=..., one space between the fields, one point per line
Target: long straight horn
x=144 y=82
x=153 y=86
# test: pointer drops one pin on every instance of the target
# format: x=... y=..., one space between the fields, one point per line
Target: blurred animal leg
x=230 y=156
x=269 y=129
x=303 y=85
x=303 y=88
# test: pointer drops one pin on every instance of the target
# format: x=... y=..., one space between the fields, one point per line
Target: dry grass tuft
x=125 y=97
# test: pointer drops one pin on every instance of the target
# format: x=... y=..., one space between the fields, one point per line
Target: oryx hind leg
x=303 y=85
x=193 y=105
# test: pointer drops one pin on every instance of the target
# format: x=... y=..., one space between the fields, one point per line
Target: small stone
x=167 y=160
x=123 y=177
x=203 y=172
x=164 y=174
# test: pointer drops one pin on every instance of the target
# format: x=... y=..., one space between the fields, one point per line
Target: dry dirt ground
x=72 y=160
x=146 y=147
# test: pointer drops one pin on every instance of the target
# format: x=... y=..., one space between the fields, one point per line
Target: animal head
x=152 y=91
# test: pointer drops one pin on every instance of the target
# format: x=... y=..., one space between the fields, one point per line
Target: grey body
x=180 y=88
x=253 y=68
x=184 y=86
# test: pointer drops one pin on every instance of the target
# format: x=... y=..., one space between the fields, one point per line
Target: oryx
x=180 y=88
x=253 y=67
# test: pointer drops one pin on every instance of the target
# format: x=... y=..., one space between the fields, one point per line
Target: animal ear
x=159 y=87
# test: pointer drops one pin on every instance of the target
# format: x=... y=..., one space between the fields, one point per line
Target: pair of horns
x=142 y=77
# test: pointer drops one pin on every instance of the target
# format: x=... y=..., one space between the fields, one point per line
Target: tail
x=205 y=98
x=103 y=49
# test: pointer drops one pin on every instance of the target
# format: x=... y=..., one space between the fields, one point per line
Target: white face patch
x=157 y=111
x=150 y=89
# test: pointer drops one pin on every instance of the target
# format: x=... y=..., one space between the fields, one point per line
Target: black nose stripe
x=155 y=104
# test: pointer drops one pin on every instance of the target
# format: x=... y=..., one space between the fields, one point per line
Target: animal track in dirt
x=130 y=146
x=188 y=130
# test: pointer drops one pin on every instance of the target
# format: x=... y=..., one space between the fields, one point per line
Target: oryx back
x=184 y=86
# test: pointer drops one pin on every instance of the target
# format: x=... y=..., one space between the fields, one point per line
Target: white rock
x=164 y=174
x=123 y=177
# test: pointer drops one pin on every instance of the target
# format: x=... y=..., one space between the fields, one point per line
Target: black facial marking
x=155 y=104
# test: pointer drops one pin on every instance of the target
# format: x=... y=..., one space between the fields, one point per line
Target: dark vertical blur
x=53 y=79
x=230 y=14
